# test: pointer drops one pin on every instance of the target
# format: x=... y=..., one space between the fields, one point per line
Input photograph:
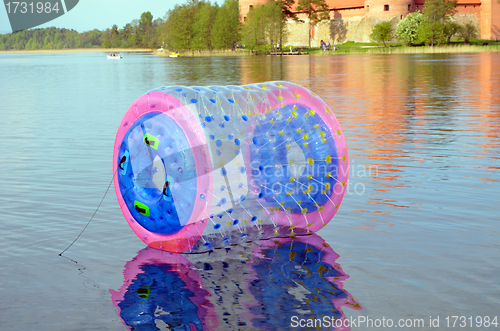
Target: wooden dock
x=289 y=53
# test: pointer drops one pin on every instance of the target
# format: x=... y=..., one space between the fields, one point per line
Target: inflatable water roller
x=199 y=168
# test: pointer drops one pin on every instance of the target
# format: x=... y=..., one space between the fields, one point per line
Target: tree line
x=195 y=25
x=433 y=26
x=50 y=38
x=140 y=33
x=201 y=25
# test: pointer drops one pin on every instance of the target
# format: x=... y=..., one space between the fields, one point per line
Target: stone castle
x=352 y=20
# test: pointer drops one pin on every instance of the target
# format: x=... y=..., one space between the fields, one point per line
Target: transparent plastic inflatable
x=199 y=168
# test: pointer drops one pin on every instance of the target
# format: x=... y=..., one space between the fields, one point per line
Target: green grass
x=455 y=46
x=351 y=47
x=460 y=48
x=191 y=53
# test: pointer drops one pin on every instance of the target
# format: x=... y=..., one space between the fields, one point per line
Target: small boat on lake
x=114 y=56
x=174 y=54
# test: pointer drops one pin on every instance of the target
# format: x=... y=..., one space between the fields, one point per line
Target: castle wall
x=388 y=9
x=351 y=28
x=469 y=9
x=490 y=19
x=463 y=18
x=298 y=34
x=348 y=12
x=246 y=6
x=353 y=20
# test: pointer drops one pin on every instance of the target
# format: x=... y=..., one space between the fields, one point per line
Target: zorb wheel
x=199 y=168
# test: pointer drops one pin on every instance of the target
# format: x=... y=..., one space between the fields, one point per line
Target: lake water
x=417 y=235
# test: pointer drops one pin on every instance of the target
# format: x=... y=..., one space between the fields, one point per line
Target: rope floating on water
x=122 y=161
x=95 y=212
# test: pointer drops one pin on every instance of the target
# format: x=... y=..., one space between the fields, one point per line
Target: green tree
x=180 y=27
x=145 y=21
x=73 y=40
x=146 y=31
x=440 y=10
x=163 y=31
x=131 y=41
x=432 y=32
x=203 y=27
x=275 y=26
x=253 y=31
x=125 y=34
x=156 y=26
x=407 y=28
x=227 y=26
x=59 y=40
x=382 y=32
x=437 y=15
x=106 y=39
x=47 y=43
x=180 y=22
x=114 y=36
x=133 y=34
x=265 y=24
x=468 y=32
x=288 y=10
x=316 y=11
x=451 y=28
x=29 y=45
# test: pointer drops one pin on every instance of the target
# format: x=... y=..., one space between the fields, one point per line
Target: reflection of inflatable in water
x=257 y=286
x=206 y=167
x=162 y=290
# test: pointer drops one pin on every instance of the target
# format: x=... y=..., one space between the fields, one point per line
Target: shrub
x=432 y=32
x=407 y=28
x=451 y=28
x=382 y=32
x=468 y=32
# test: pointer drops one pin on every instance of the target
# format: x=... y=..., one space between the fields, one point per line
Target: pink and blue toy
x=199 y=168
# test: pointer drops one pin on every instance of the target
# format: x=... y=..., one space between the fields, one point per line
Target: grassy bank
x=456 y=46
x=438 y=49
x=80 y=50
x=228 y=52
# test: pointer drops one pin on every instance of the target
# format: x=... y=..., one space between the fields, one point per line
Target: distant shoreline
x=80 y=50
x=227 y=52
x=445 y=49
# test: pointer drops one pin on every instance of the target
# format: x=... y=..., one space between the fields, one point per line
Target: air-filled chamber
x=199 y=168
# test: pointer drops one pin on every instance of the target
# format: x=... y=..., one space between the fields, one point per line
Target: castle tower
x=389 y=8
x=247 y=5
x=490 y=19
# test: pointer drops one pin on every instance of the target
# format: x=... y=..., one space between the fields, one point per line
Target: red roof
x=336 y=4
x=460 y=2
x=469 y=2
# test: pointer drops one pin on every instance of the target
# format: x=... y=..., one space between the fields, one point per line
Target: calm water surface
x=416 y=236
